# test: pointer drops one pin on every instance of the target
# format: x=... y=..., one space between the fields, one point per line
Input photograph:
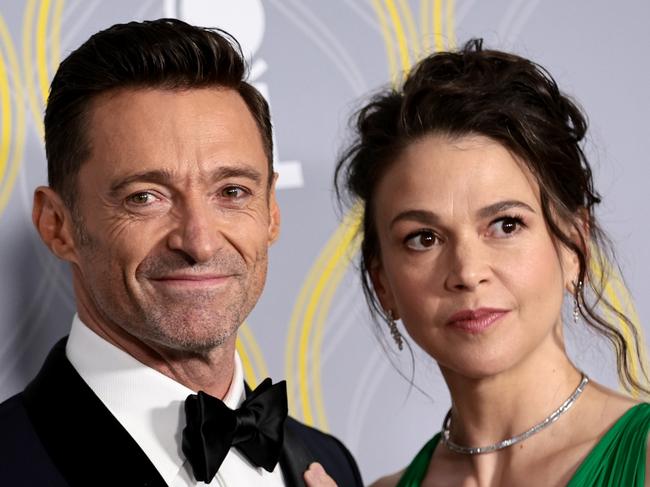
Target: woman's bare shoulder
x=613 y=403
x=389 y=480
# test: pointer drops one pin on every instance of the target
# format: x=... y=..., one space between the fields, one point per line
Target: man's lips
x=192 y=280
x=476 y=320
x=191 y=277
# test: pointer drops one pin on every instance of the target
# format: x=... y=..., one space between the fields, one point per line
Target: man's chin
x=193 y=338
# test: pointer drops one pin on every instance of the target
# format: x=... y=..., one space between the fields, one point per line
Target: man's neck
x=211 y=371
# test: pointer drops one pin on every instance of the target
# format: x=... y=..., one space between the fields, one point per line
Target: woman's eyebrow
x=501 y=206
x=425 y=217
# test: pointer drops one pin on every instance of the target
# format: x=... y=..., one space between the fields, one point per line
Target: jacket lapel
x=85 y=441
x=295 y=457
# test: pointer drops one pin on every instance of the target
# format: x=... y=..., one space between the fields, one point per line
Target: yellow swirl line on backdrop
x=5 y=116
x=319 y=305
x=41 y=49
x=399 y=32
x=55 y=57
x=450 y=21
x=424 y=25
x=294 y=324
x=410 y=27
x=616 y=292
x=438 y=40
x=317 y=292
x=388 y=38
x=19 y=141
x=316 y=280
x=309 y=315
x=28 y=69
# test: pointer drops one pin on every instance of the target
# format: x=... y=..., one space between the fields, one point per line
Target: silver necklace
x=477 y=450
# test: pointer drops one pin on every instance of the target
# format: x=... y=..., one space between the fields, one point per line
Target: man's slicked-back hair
x=165 y=53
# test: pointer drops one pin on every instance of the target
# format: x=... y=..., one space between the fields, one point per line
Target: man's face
x=176 y=216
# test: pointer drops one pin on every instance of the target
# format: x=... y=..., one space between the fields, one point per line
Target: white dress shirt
x=150 y=406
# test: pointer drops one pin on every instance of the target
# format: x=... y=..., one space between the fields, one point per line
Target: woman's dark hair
x=515 y=102
x=165 y=53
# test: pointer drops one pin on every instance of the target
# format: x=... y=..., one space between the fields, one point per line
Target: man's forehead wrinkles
x=170 y=176
x=161 y=176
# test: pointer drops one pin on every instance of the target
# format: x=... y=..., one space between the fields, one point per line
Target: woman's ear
x=382 y=287
x=579 y=233
x=53 y=223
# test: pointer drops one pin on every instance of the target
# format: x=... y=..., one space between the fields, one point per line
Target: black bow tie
x=256 y=429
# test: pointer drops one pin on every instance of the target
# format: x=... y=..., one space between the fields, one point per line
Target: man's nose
x=196 y=232
x=468 y=265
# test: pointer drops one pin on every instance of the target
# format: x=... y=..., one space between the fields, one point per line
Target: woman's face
x=467 y=261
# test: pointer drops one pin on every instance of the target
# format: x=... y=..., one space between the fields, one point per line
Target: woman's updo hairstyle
x=516 y=102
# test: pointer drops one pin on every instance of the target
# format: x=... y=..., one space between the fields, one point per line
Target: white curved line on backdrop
x=52 y=280
x=62 y=284
x=521 y=20
x=348 y=308
x=323 y=38
x=72 y=29
x=363 y=14
x=368 y=383
x=333 y=39
x=25 y=342
x=461 y=12
x=140 y=13
x=507 y=19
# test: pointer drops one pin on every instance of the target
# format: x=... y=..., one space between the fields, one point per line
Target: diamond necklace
x=477 y=450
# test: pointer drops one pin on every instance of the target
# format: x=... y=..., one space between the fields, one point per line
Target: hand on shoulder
x=316 y=476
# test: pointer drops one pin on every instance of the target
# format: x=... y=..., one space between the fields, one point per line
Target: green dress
x=618 y=459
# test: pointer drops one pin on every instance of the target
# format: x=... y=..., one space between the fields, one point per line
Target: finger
x=315 y=476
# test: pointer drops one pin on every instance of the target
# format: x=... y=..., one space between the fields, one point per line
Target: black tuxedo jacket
x=57 y=433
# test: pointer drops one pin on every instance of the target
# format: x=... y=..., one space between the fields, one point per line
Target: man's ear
x=382 y=288
x=274 y=213
x=53 y=223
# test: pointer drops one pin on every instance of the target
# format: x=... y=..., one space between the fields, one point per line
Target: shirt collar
x=147 y=403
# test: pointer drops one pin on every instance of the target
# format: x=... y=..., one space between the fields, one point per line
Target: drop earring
x=392 y=326
x=576 y=305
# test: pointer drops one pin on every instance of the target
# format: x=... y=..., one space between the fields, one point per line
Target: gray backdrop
x=315 y=61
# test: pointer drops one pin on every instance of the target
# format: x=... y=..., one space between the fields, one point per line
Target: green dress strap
x=418 y=467
x=618 y=459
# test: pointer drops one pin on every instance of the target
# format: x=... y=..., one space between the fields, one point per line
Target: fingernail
x=316 y=468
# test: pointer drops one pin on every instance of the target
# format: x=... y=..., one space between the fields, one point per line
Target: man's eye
x=233 y=192
x=421 y=240
x=142 y=198
x=506 y=227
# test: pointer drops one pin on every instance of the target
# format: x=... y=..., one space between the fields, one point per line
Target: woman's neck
x=487 y=410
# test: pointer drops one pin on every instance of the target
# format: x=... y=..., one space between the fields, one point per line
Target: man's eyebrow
x=501 y=206
x=236 y=171
x=160 y=176
x=163 y=176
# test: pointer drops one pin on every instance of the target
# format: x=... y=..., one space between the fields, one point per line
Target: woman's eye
x=142 y=198
x=422 y=240
x=233 y=192
x=505 y=227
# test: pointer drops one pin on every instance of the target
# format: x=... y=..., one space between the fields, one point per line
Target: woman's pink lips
x=477 y=320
